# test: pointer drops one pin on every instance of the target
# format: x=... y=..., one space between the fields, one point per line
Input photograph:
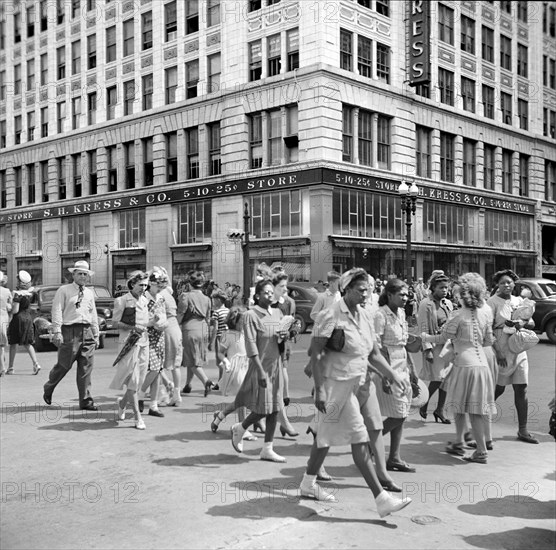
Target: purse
x=522 y=340
x=128 y=316
x=337 y=340
x=413 y=344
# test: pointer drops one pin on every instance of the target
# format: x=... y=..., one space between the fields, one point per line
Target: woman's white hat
x=24 y=277
x=81 y=265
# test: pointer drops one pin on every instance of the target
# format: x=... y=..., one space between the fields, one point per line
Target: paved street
x=71 y=479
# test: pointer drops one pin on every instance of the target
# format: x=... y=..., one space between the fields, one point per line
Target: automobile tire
x=302 y=323
x=551 y=331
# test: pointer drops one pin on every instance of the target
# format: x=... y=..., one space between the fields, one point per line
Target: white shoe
x=387 y=504
x=175 y=400
x=237 y=432
x=140 y=425
x=248 y=436
x=121 y=412
x=317 y=492
x=271 y=456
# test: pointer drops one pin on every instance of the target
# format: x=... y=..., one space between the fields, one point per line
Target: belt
x=78 y=325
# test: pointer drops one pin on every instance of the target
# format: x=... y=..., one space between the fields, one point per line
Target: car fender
x=544 y=321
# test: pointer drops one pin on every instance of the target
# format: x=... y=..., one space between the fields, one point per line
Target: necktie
x=79 y=297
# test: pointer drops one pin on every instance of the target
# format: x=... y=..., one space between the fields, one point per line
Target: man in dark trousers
x=76 y=334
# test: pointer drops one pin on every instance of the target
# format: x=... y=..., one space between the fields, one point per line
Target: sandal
x=393 y=465
x=218 y=417
x=455 y=449
x=208 y=387
x=479 y=458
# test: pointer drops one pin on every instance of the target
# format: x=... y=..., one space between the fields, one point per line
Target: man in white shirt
x=329 y=296
x=76 y=334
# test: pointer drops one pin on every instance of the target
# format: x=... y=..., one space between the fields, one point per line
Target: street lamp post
x=245 y=245
x=409 y=199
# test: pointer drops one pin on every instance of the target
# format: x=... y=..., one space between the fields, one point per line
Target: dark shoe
x=89 y=407
x=47 y=398
x=310 y=431
x=156 y=412
x=291 y=433
x=216 y=387
x=209 y=385
x=186 y=389
x=217 y=418
x=395 y=466
x=286 y=401
x=473 y=445
x=141 y=404
x=423 y=412
x=528 y=438
x=440 y=418
x=455 y=449
x=479 y=458
x=390 y=486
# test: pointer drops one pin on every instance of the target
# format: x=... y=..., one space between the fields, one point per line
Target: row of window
x=367 y=49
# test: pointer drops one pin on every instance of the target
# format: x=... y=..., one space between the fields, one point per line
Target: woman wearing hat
x=5 y=310
x=21 y=330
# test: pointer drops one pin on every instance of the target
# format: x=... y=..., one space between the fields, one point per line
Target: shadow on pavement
x=526 y=537
x=215 y=460
x=517 y=506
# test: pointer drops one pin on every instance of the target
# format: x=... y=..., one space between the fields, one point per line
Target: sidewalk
x=72 y=478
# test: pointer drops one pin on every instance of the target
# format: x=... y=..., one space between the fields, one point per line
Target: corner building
x=132 y=133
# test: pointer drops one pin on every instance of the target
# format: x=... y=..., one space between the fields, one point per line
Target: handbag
x=128 y=316
x=413 y=344
x=337 y=340
x=522 y=340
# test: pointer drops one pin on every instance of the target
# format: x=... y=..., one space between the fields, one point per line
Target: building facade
x=310 y=114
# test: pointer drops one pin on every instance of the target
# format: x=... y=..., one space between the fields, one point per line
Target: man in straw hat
x=76 y=334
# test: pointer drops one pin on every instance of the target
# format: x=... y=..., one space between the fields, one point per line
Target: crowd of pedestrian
x=365 y=379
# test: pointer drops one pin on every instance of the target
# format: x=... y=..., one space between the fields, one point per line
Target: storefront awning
x=284 y=241
x=137 y=250
x=193 y=247
x=76 y=254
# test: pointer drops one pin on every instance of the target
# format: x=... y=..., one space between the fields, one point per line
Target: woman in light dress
x=5 y=311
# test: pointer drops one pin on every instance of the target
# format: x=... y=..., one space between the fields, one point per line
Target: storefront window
x=122 y=268
x=31 y=238
x=184 y=261
x=275 y=214
x=295 y=259
x=444 y=223
x=33 y=266
x=195 y=223
x=505 y=230
x=78 y=233
x=132 y=228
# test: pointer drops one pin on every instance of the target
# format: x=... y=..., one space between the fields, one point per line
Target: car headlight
x=107 y=313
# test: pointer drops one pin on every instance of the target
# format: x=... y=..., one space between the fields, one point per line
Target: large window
x=256 y=140
x=191 y=16
x=523 y=113
x=61 y=62
x=30 y=75
x=346 y=50
x=423 y=151
x=213 y=69
x=43 y=168
x=171 y=21
x=467 y=35
x=469 y=163
x=549 y=180
x=76 y=113
x=93 y=176
x=129 y=97
x=112 y=162
x=91 y=51
x=61 y=116
x=292 y=45
x=111 y=44
x=77 y=185
x=523 y=175
x=508 y=231
x=31 y=185
x=347 y=133
x=147 y=30
x=275 y=137
x=274 y=55
x=192 y=136
x=488 y=101
x=194 y=222
x=505 y=52
x=171 y=84
x=30 y=125
x=383 y=62
x=489 y=166
x=18 y=183
x=446 y=85
x=487 y=46
x=129 y=37
x=448 y=224
x=191 y=78
x=111 y=102
x=365 y=138
x=147 y=85
x=18 y=129
x=129 y=157
x=44 y=69
x=76 y=57
x=506 y=107
x=255 y=61
x=445 y=24
x=214 y=149
x=213 y=12
x=447 y=142
x=276 y=214
x=522 y=60
x=468 y=94
x=507 y=169
x=92 y=108
x=132 y=228
x=172 y=156
x=364 y=56
x=148 y=166
x=61 y=171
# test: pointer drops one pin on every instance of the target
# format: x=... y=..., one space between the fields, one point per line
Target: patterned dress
x=157 y=345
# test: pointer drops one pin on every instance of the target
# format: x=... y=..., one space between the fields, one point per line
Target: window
x=256 y=140
x=423 y=151
x=129 y=152
x=192 y=136
x=254 y=5
x=111 y=51
x=347 y=133
x=92 y=108
x=61 y=172
x=44 y=69
x=17 y=79
x=213 y=13
x=487 y=44
x=274 y=54
x=506 y=6
x=44 y=15
x=383 y=7
x=44 y=122
x=445 y=24
x=111 y=100
x=30 y=74
x=61 y=116
x=365 y=138
x=147 y=92
x=447 y=157
x=112 y=163
x=505 y=52
x=488 y=101
x=3 y=192
x=383 y=62
x=192 y=16
x=77 y=185
x=468 y=94
x=523 y=113
x=522 y=60
x=191 y=78
x=17 y=27
x=30 y=125
x=194 y=223
x=129 y=37
x=215 y=164
x=171 y=21
x=469 y=163
x=61 y=11
x=75 y=6
x=346 y=50
x=214 y=69
x=61 y=62
x=255 y=61
x=44 y=180
x=78 y=233
x=31 y=22
x=31 y=189
x=292 y=45
x=364 y=56
x=552 y=74
x=76 y=57
x=17 y=129
x=467 y=35
x=2 y=35
x=93 y=177
x=507 y=181
x=523 y=175
x=383 y=142
x=2 y=134
x=2 y=85
x=172 y=156
x=275 y=138
x=365 y=3
x=171 y=84
x=549 y=181
x=506 y=107
x=129 y=97
x=278 y=214
x=18 y=186
x=76 y=113
x=147 y=30
x=291 y=139
x=132 y=228
x=446 y=85
x=148 y=166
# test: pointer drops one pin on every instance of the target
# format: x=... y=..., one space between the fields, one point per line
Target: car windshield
x=548 y=288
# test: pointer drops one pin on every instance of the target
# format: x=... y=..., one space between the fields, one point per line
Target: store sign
x=419 y=42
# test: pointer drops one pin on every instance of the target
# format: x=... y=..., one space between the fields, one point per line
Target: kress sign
x=419 y=42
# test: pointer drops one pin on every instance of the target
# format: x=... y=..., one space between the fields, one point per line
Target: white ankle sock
x=308 y=480
x=267 y=447
x=382 y=497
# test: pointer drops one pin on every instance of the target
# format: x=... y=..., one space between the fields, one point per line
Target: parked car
x=544 y=293
x=305 y=296
x=41 y=307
